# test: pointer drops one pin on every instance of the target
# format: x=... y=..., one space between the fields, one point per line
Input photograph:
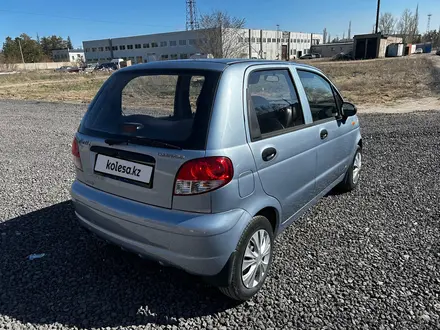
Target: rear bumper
x=198 y=243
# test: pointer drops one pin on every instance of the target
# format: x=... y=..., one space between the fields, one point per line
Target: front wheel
x=352 y=176
x=253 y=260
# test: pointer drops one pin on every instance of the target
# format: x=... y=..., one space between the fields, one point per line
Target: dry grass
x=382 y=81
x=385 y=81
x=51 y=86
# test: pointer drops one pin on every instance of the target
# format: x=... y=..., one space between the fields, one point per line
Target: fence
x=33 y=66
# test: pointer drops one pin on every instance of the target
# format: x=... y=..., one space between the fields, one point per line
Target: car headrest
x=254 y=78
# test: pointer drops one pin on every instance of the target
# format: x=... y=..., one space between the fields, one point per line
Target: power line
x=82 y=19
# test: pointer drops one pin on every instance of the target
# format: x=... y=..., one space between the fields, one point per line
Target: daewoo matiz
x=200 y=164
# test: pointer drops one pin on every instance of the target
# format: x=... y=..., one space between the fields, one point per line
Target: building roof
x=335 y=44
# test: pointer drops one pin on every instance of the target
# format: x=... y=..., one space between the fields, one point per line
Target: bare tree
x=387 y=23
x=408 y=26
x=220 y=35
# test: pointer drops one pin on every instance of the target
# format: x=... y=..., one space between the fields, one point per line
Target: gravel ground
x=366 y=260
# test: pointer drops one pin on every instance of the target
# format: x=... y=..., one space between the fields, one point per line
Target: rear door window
x=172 y=107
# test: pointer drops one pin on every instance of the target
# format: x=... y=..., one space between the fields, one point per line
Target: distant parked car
x=343 y=56
x=419 y=51
x=438 y=52
x=90 y=67
x=306 y=57
x=68 y=69
x=316 y=55
x=106 y=66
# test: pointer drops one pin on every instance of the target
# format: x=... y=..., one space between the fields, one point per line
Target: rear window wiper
x=142 y=141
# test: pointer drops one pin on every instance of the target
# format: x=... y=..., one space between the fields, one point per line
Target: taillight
x=76 y=155
x=201 y=175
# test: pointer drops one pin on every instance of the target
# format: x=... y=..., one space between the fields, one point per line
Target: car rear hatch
x=142 y=126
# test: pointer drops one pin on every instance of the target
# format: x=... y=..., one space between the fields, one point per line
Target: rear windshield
x=167 y=106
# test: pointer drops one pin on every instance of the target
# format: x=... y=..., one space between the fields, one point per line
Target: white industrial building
x=248 y=43
x=67 y=55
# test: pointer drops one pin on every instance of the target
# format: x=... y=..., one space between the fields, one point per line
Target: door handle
x=323 y=134
x=268 y=154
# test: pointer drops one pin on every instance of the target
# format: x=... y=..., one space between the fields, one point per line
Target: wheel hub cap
x=256 y=259
x=357 y=164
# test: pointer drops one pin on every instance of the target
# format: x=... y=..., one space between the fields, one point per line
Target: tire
x=238 y=289
x=351 y=180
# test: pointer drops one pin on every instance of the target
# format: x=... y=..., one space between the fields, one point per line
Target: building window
x=282 y=40
x=182 y=42
x=93 y=49
x=107 y=48
x=146 y=45
x=253 y=39
x=137 y=46
x=164 y=57
x=122 y=47
x=291 y=41
x=258 y=39
x=240 y=39
x=264 y=39
x=114 y=47
x=192 y=41
x=163 y=44
x=183 y=56
x=101 y=49
x=173 y=56
x=87 y=49
x=274 y=40
x=278 y=40
x=153 y=44
x=173 y=43
x=129 y=46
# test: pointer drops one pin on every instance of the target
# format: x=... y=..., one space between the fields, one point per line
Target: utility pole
x=349 y=30
x=278 y=41
x=324 y=35
x=377 y=16
x=21 y=50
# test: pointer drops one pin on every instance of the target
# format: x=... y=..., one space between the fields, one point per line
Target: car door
x=284 y=153
x=329 y=132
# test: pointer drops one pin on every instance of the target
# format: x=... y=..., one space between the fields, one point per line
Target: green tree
x=31 y=49
x=69 y=43
x=50 y=43
x=432 y=36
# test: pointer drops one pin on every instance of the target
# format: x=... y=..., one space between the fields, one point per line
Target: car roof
x=216 y=64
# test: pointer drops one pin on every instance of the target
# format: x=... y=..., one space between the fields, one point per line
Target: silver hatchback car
x=200 y=164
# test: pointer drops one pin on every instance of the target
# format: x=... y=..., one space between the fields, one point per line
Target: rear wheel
x=252 y=261
x=352 y=176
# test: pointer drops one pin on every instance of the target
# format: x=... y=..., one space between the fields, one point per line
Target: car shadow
x=84 y=282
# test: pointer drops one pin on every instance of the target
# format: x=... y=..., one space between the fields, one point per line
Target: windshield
x=168 y=106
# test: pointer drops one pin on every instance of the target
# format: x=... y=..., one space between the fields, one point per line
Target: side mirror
x=348 y=109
